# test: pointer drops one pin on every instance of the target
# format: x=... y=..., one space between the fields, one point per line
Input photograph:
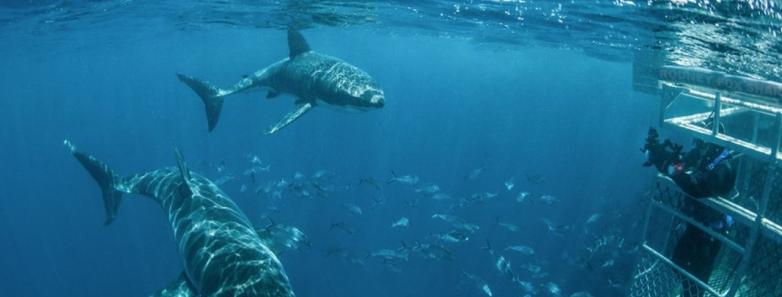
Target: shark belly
x=301 y=76
x=319 y=78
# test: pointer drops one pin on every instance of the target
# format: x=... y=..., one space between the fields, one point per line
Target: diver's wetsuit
x=705 y=171
x=696 y=250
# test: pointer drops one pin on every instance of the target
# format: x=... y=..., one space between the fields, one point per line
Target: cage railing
x=690 y=123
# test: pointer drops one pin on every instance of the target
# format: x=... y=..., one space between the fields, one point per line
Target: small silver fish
x=523 y=249
x=510 y=184
x=483 y=196
x=532 y=268
x=390 y=255
x=486 y=290
x=510 y=227
x=503 y=266
x=447 y=218
x=475 y=173
x=402 y=222
x=548 y=199
x=257 y=165
x=522 y=196
x=279 y=237
x=482 y=285
x=433 y=251
x=255 y=160
x=321 y=174
x=410 y=180
x=428 y=189
x=441 y=196
x=224 y=179
x=455 y=235
x=553 y=289
x=466 y=227
x=355 y=209
x=527 y=286
x=593 y=218
x=556 y=228
x=448 y=238
x=221 y=167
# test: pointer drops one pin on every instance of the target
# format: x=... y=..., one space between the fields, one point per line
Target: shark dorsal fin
x=183 y=172
x=296 y=43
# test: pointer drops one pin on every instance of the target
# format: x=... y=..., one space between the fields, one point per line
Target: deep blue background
x=452 y=106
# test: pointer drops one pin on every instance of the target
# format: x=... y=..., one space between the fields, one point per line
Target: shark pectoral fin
x=186 y=188
x=290 y=117
x=180 y=287
x=297 y=45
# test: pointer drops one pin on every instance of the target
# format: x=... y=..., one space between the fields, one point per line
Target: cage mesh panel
x=658 y=235
x=653 y=278
x=764 y=275
x=724 y=269
x=774 y=208
x=752 y=176
x=668 y=194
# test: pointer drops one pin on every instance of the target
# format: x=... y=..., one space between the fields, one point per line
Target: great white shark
x=222 y=253
x=313 y=78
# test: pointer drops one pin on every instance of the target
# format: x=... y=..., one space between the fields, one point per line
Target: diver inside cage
x=704 y=171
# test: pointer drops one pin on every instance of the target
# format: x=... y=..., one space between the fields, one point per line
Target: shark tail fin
x=209 y=94
x=108 y=182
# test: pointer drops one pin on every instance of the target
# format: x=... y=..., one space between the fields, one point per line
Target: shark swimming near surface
x=313 y=78
x=222 y=253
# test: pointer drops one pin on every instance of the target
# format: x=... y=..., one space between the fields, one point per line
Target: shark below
x=313 y=78
x=222 y=253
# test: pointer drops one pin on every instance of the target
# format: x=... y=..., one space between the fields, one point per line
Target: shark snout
x=378 y=100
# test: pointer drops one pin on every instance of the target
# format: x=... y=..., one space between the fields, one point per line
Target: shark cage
x=740 y=114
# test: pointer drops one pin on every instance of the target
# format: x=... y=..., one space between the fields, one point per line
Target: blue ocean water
x=468 y=108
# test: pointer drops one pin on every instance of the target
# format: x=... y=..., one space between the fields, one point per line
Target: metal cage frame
x=729 y=96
